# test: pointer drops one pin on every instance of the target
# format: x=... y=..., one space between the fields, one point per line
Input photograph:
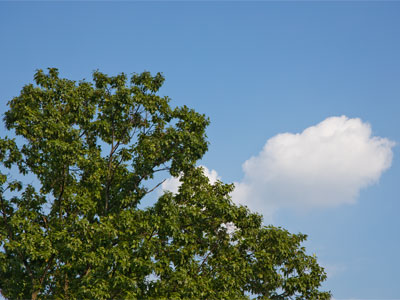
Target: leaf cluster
x=80 y=233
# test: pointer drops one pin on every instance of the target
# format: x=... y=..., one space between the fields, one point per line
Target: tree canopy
x=71 y=224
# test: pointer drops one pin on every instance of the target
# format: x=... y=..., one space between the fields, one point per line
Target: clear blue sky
x=257 y=69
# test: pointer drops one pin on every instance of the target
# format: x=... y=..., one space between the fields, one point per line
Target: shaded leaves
x=79 y=232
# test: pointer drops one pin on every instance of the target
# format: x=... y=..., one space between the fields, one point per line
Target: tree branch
x=148 y=192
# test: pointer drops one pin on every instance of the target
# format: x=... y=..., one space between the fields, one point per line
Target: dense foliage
x=88 y=152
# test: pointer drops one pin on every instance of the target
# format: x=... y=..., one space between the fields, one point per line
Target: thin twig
x=155 y=187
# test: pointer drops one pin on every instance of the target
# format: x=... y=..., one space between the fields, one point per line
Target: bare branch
x=148 y=192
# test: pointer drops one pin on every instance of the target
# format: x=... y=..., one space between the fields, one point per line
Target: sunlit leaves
x=78 y=232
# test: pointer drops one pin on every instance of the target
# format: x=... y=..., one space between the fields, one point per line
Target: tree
x=77 y=231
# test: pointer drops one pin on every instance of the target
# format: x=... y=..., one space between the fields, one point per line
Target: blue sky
x=259 y=69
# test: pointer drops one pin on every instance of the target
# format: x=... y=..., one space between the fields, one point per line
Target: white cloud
x=172 y=184
x=324 y=166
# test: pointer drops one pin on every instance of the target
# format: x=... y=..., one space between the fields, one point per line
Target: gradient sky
x=257 y=69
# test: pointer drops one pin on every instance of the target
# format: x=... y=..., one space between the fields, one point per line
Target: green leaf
x=80 y=232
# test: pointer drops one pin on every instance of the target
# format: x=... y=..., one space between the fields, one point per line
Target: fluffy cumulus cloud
x=324 y=166
x=172 y=184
